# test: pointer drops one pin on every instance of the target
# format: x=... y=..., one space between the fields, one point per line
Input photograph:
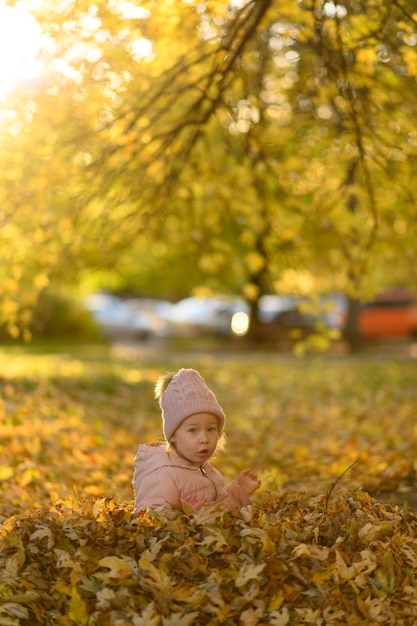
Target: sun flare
x=19 y=43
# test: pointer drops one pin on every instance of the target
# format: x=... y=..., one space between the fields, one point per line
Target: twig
x=329 y=493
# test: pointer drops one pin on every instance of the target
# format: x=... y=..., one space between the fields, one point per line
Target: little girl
x=179 y=470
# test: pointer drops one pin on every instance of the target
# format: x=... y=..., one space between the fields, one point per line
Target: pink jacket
x=161 y=477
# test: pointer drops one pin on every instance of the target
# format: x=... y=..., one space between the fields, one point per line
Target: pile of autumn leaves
x=296 y=562
x=317 y=550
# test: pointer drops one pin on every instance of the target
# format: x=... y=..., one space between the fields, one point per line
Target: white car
x=155 y=311
x=115 y=319
x=194 y=316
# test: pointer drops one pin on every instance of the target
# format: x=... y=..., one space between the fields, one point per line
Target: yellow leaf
x=98 y=506
x=322 y=576
x=344 y=572
x=276 y=601
x=249 y=618
x=77 y=609
x=320 y=553
x=62 y=587
x=104 y=598
x=214 y=539
x=43 y=533
x=120 y=567
x=14 y=610
x=13 y=564
x=148 y=617
x=5 y=472
x=248 y=572
x=260 y=536
x=160 y=578
x=309 y=615
x=64 y=560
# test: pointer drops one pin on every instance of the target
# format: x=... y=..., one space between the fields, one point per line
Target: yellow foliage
x=41 y=281
x=250 y=291
x=410 y=58
x=255 y=262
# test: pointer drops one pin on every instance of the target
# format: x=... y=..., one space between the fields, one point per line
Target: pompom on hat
x=186 y=394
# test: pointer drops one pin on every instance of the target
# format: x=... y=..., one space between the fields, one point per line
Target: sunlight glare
x=19 y=43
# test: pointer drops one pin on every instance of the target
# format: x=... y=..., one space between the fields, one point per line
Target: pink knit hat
x=187 y=394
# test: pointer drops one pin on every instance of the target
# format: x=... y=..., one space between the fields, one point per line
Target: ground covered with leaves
x=319 y=549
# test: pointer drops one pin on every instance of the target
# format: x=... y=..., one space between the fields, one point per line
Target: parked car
x=156 y=311
x=282 y=320
x=270 y=307
x=391 y=314
x=211 y=315
x=287 y=314
x=114 y=318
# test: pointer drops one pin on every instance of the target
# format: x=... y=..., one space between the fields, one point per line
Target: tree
x=256 y=137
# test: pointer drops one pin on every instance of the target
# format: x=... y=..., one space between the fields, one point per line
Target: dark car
x=290 y=316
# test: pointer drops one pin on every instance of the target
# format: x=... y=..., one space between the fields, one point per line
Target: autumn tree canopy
x=247 y=147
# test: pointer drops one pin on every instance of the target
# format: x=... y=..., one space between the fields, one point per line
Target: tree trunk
x=352 y=332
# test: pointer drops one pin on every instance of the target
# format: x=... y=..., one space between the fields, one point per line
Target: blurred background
x=236 y=170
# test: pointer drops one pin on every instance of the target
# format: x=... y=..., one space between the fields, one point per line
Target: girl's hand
x=249 y=481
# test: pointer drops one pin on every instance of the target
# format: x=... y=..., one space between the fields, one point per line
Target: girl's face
x=196 y=437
